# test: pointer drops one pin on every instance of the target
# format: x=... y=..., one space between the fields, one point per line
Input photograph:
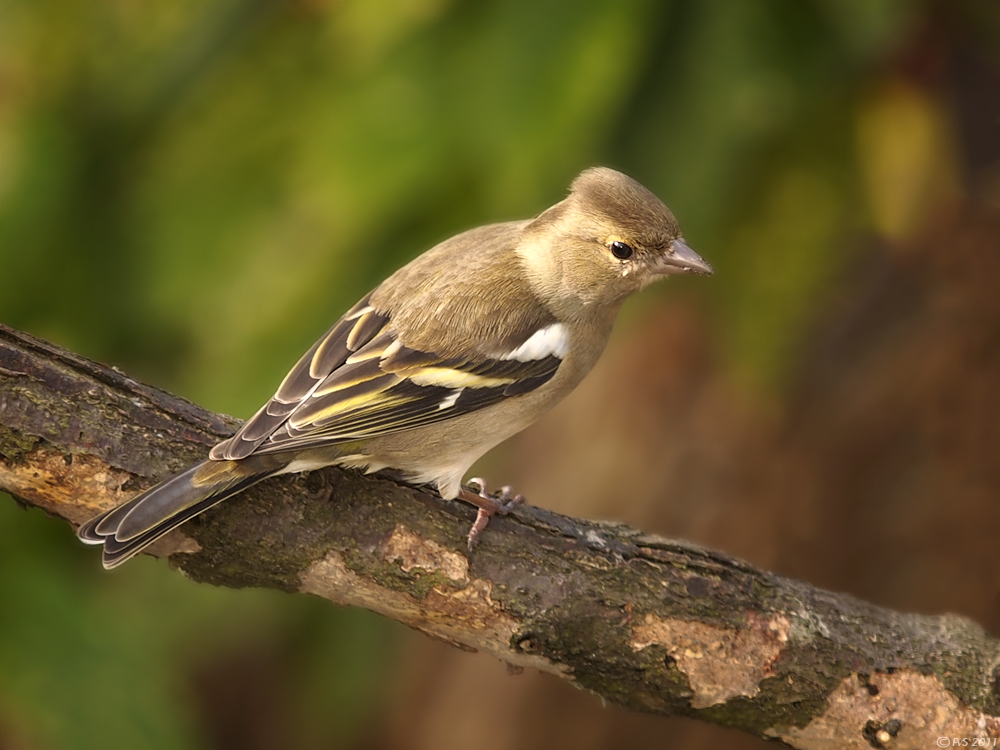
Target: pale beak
x=682 y=259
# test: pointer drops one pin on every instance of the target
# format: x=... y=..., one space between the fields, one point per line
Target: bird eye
x=621 y=250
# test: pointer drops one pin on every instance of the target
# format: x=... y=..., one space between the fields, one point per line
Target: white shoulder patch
x=552 y=341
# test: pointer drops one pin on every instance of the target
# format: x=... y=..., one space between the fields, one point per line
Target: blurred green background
x=193 y=191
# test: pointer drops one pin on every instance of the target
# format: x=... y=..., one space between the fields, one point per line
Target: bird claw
x=489 y=505
x=503 y=501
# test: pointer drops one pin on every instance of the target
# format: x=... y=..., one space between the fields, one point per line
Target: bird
x=461 y=348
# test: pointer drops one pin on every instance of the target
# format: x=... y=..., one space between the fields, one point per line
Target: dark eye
x=621 y=250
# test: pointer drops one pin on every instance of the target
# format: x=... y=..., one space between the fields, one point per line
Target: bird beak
x=682 y=259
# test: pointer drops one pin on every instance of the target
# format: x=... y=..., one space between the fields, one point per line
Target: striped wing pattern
x=359 y=382
x=357 y=327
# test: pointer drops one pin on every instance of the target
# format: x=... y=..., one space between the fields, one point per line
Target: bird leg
x=489 y=505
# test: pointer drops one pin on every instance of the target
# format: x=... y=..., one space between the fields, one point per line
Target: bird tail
x=132 y=526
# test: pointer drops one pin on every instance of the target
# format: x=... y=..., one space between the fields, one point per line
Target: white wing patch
x=552 y=340
x=449 y=401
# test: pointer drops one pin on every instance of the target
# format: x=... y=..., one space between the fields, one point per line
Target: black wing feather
x=325 y=356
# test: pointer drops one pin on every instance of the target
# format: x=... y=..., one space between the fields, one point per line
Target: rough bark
x=653 y=624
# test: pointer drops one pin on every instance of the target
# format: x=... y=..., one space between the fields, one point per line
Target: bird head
x=610 y=238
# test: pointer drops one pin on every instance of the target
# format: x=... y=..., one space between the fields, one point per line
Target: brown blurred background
x=192 y=191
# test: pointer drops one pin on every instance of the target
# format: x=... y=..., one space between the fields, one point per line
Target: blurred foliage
x=193 y=191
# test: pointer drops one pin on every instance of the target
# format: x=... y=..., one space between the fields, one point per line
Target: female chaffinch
x=455 y=352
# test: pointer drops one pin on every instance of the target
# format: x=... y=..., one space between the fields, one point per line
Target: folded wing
x=361 y=381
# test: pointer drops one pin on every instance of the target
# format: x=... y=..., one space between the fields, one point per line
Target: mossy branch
x=652 y=624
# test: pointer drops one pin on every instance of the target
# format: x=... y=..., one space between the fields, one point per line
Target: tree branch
x=652 y=624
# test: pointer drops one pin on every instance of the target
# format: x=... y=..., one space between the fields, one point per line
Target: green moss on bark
x=14 y=445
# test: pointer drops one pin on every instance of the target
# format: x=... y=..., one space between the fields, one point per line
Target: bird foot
x=489 y=505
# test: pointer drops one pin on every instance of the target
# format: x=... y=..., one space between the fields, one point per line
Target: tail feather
x=131 y=527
